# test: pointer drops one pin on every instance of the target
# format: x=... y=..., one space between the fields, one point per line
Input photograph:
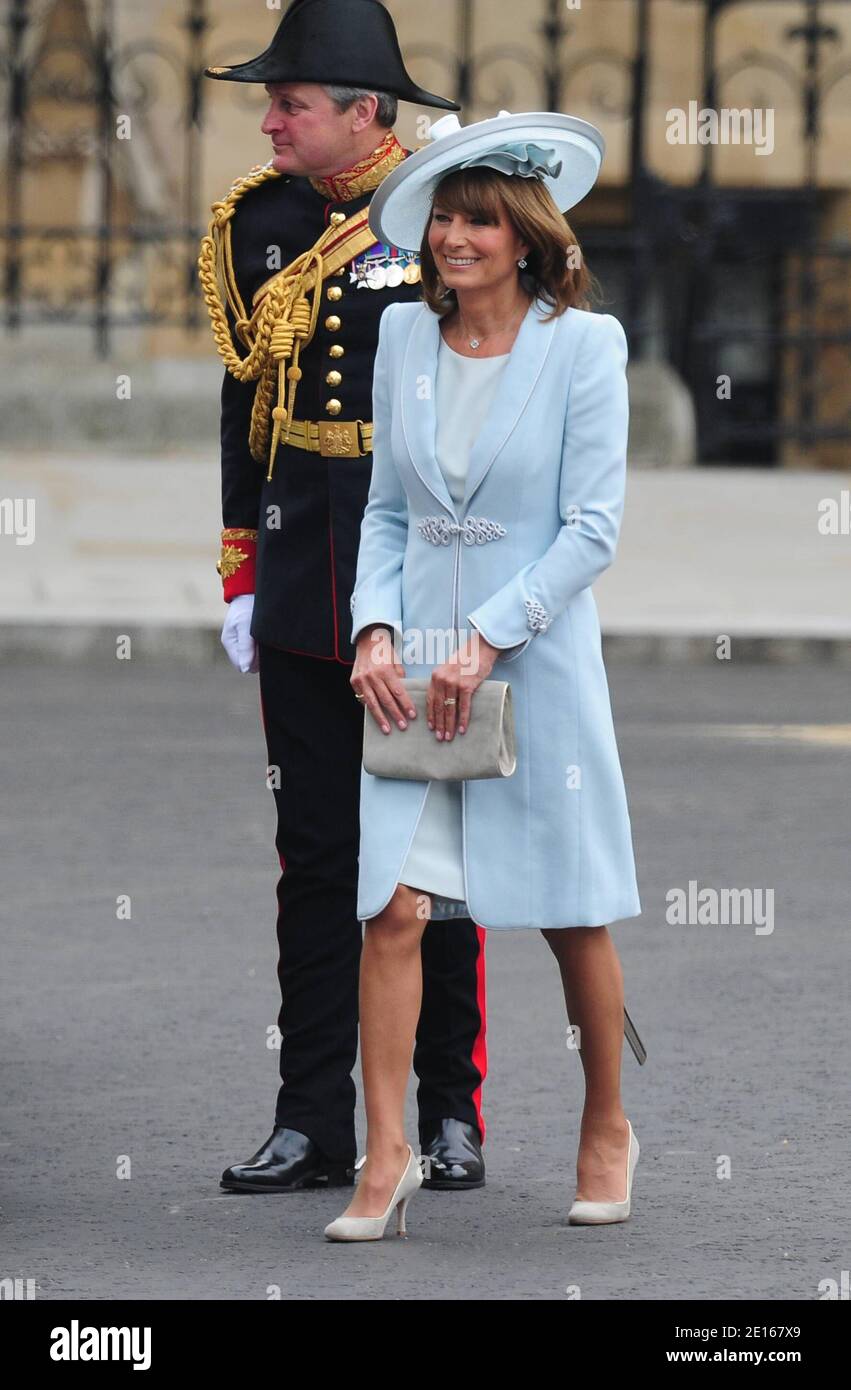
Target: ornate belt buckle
x=340 y=439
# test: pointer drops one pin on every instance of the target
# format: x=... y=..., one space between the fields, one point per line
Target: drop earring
x=523 y=263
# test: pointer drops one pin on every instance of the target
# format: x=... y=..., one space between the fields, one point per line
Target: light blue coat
x=550 y=846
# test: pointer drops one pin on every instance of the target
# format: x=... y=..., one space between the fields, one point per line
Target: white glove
x=236 y=634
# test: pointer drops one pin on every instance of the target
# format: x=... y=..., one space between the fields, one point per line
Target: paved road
x=146 y=1038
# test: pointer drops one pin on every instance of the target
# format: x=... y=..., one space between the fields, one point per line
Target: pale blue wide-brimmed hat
x=563 y=151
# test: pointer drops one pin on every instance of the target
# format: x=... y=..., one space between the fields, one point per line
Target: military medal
x=376 y=276
x=382 y=267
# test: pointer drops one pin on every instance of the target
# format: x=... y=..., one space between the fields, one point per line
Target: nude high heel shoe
x=601 y=1213
x=372 y=1227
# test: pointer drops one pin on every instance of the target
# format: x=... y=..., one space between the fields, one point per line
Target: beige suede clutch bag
x=487 y=749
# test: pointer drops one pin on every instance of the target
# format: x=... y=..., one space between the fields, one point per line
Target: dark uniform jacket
x=307 y=552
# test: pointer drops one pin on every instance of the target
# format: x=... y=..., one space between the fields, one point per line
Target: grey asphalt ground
x=147 y=1038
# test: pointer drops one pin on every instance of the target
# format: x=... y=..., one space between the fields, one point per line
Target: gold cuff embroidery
x=232 y=557
x=230 y=561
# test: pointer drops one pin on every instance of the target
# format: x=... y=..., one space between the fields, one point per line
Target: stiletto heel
x=401 y=1229
x=602 y=1213
x=373 y=1227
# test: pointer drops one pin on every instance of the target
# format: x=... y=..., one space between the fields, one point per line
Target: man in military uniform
x=299 y=346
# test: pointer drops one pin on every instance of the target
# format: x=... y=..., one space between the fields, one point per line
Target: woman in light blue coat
x=495 y=502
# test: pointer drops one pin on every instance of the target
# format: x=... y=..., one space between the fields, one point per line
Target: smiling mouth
x=461 y=262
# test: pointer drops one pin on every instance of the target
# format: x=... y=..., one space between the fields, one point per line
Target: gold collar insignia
x=364 y=176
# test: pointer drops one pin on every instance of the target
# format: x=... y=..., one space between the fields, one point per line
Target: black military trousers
x=314 y=736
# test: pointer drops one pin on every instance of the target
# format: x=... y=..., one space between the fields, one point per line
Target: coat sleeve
x=377 y=596
x=242 y=484
x=592 y=484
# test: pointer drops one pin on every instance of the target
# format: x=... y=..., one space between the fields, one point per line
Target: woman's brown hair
x=556 y=270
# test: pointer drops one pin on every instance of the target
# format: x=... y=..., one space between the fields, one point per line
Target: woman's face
x=471 y=253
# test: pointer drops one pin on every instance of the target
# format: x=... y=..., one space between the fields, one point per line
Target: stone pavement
x=133 y=543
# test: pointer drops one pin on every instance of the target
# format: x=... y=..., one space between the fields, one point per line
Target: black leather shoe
x=287 y=1162
x=454 y=1152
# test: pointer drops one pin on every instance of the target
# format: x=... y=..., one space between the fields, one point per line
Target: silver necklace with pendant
x=477 y=342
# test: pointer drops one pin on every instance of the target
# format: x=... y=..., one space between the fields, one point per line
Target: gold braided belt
x=332 y=438
x=283 y=321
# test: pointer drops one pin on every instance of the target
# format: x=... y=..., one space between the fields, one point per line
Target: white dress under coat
x=465 y=390
x=515 y=558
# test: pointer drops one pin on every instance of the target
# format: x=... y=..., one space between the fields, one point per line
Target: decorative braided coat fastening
x=476 y=530
x=537 y=617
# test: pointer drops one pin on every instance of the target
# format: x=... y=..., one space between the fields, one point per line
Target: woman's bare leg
x=391 y=989
x=592 y=980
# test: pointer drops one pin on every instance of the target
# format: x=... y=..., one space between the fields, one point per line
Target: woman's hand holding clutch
x=377 y=678
x=453 y=684
x=440 y=703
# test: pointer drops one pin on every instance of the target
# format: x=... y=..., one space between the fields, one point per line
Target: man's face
x=308 y=133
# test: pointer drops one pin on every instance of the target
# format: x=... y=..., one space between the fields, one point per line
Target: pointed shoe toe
x=351 y=1228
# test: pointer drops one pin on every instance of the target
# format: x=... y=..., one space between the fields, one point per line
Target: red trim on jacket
x=238 y=562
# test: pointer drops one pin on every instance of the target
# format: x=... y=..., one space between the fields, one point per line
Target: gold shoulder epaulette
x=215 y=264
x=218 y=283
x=250 y=180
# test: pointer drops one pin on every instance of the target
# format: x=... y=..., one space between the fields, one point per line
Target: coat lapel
x=419 y=413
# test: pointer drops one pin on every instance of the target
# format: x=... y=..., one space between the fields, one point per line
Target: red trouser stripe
x=480 y=1051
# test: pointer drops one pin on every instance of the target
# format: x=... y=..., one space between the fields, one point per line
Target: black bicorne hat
x=351 y=43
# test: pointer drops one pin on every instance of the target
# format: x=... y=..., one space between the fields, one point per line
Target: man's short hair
x=386 y=111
